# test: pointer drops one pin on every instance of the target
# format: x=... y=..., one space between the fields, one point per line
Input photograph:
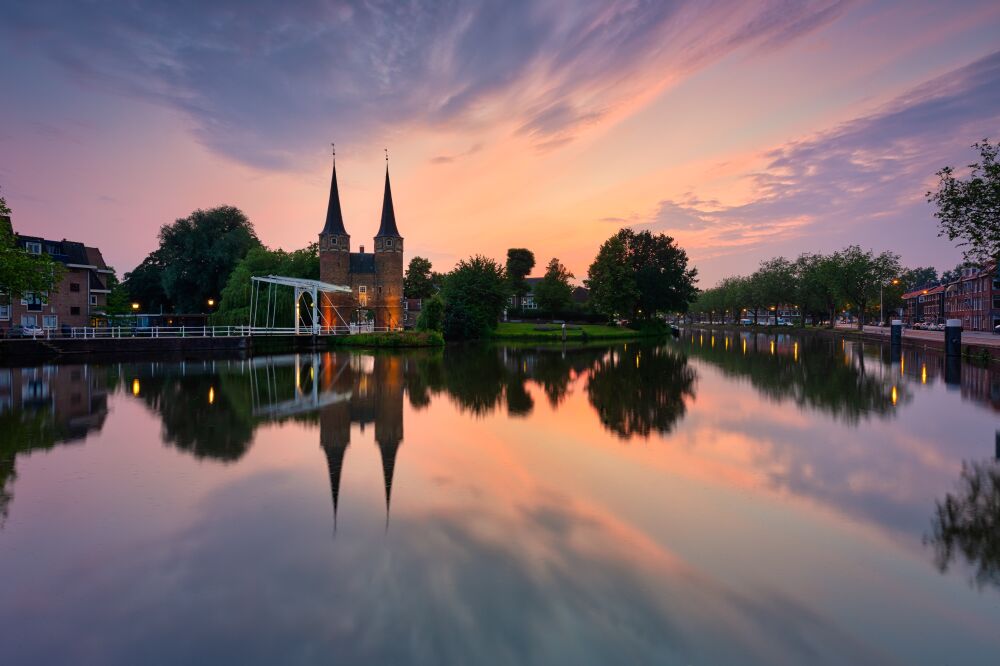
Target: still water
x=718 y=499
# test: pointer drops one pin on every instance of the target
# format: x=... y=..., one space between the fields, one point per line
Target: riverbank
x=976 y=349
x=17 y=351
x=530 y=331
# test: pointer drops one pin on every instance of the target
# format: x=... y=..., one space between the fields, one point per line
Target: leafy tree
x=234 y=302
x=418 y=281
x=913 y=278
x=554 y=292
x=639 y=275
x=431 y=314
x=20 y=271
x=144 y=284
x=776 y=281
x=956 y=273
x=968 y=209
x=475 y=295
x=118 y=300
x=859 y=275
x=520 y=261
x=198 y=253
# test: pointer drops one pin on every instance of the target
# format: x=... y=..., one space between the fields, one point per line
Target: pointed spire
x=334 y=218
x=388 y=225
x=334 y=464
x=388 y=451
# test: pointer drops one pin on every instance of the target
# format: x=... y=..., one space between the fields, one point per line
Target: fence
x=114 y=332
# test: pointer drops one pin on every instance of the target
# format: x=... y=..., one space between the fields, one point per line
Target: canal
x=723 y=498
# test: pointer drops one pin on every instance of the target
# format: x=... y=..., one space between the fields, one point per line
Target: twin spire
x=335 y=217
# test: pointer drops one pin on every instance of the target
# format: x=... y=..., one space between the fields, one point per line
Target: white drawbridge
x=325 y=318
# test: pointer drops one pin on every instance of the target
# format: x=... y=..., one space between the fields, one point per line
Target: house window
x=33 y=301
x=74 y=286
x=93 y=299
x=388 y=242
x=74 y=310
x=29 y=320
x=4 y=312
x=33 y=248
x=50 y=321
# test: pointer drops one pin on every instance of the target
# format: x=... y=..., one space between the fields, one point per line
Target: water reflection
x=966 y=525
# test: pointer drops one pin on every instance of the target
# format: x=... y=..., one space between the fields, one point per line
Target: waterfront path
x=981 y=338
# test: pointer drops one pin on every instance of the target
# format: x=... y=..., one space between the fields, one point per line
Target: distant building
x=376 y=279
x=974 y=298
x=80 y=298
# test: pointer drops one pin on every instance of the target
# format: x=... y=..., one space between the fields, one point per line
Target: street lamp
x=881 y=303
x=211 y=302
x=135 y=307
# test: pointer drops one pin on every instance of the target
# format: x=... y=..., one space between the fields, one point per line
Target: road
x=968 y=337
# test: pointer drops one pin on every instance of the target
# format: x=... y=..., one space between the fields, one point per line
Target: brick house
x=79 y=299
x=924 y=305
x=972 y=298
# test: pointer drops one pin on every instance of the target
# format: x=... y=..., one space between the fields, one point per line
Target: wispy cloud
x=264 y=83
x=864 y=179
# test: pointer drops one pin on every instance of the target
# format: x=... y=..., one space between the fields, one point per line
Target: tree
x=775 y=282
x=639 y=275
x=475 y=295
x=431 y=314
x=858 y=276
x=956 y=273
x=914 y=278
x=144 y=284
x=520 y=261
x=554 y=292
x=968 y=210
x=816 y=291
x=418 y=281
x=20 y=271
x=234 y=299
x=198 y=252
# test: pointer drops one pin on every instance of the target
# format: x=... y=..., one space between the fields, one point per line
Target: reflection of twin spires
x=377 y=398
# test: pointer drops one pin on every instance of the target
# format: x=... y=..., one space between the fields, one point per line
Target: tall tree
x=200 y=251
x=418 y=281
x=639 y=275
x=475 y=294
x=860 y=276
x=913 y=278
x=144 y=284
x=520 y=261
x=968 y=210
x=20 y=271
x=554 y=292
x=234 y=299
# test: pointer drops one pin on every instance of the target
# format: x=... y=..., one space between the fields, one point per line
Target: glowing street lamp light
x=211 y=302
x=135 y=306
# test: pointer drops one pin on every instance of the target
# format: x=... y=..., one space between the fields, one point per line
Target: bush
x=474 y=294
x=564 y=315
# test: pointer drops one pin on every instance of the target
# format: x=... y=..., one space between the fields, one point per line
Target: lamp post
x=881 y=303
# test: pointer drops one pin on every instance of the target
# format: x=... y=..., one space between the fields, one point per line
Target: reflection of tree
x=967 y=523
x=637 y=389
x=813 y=376
x=23 y=433
x=221 y=428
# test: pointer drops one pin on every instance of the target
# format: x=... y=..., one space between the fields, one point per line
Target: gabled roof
x=387 y=227
x=95 y=258
x=334 y=217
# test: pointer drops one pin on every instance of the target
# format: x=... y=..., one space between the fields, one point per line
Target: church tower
x=389 y=265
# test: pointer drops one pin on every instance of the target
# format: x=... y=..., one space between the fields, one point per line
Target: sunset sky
x=745 y=130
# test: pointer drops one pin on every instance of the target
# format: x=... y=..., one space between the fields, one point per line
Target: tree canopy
x=554 y=292
x=21 y=271
x=638 y=275
x=475 y=295
x=419 y=280
x=234 y=303
x=968 y=209
x=520 y=261
x=196 y=255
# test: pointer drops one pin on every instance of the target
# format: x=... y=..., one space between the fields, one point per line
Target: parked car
x=746 y=322
x=18 y=331
x=785 y=322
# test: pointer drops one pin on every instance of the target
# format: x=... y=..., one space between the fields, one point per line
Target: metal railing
x=116 y=332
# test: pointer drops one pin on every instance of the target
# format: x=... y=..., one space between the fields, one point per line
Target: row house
x=80 y=298
x=974 y=299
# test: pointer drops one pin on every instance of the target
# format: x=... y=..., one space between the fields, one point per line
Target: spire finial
x=333 y=147
x=386 y=156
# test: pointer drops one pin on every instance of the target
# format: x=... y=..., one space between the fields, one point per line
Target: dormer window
x=33 y=248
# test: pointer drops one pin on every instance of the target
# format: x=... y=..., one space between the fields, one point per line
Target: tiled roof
x=387 y=227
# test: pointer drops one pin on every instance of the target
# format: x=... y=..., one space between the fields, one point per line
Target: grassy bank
x=394 y=340
x=553 y=332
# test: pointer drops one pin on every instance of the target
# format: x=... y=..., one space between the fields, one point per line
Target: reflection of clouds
x=541 y=582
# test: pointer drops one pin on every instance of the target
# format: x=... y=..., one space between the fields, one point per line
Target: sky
x=743 y=130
